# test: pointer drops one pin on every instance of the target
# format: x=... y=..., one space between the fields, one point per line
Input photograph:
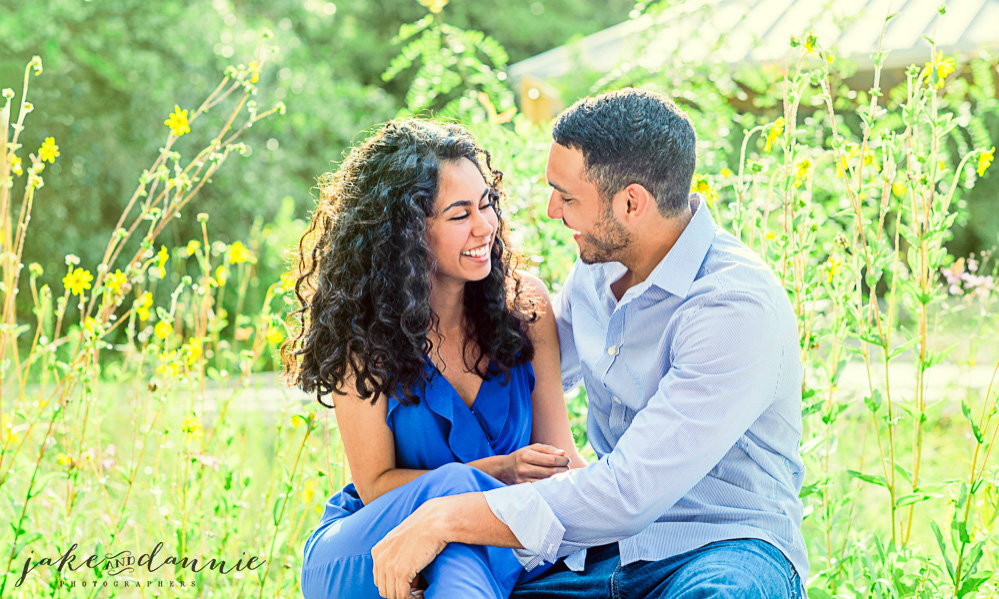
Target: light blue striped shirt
x=694 y=386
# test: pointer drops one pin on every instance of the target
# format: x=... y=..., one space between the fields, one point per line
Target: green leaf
x=913 y=498
x=970 y=584
x=974 y=426
x=24 y=542
x=943 y=548
x=904 y=472
x=974 y=556
x=870 y=478
x=408 y=30
x=43 y=482
x=874 y=403
x=277 y=509
x=831 y=416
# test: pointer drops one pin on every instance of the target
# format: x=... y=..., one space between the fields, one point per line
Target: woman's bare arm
x=551 y=419
x=370 y=448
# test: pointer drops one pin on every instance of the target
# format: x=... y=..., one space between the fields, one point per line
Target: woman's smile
x=479 y=254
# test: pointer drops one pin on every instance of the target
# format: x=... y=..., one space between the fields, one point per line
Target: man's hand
x=406 y=550
x=534 y=462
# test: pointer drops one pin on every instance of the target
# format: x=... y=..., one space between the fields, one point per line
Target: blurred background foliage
x=116 y=68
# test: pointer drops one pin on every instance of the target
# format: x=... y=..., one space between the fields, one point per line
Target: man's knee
x=739 y=569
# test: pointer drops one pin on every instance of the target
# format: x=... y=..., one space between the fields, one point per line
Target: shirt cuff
x=577 y=561
x=531 y=520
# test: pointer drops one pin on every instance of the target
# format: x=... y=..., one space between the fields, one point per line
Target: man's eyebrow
x=559 y=188
x=464 y=203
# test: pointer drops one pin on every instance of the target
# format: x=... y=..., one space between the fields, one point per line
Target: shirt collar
x=676 y=272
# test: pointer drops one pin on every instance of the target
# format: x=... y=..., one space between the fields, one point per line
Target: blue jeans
x=743 y=568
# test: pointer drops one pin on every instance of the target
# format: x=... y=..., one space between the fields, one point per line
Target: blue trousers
x=739 y=568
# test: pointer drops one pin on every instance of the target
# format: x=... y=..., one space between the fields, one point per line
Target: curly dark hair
x=364 y=272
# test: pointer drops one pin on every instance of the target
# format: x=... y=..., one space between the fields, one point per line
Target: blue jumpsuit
x=439 y=434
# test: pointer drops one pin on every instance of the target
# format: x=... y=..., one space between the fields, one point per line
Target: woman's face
x=461 y=232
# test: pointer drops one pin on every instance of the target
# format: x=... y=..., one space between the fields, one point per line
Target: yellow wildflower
x=434 y=6
x=8 y=424
x=726 y=172
x=802 y=172
x=309 y=490
x=163 y=329
x=49 y=150
x=941 y=67
x=15 y=164
x=168 y=363
x=238 y=253
x=832 y=267
x=77 y=280
x=843 y=164
x=255 y=71
x=770 y=235
x=192 y=425
x=274 y=336
x=178 y=122
x=116 y=280
x=161 y=259
x=63 y=459
x=776 y=130
x=143 y=304
x=985 y=160
x=222 y=273
x=194 y=349
x=702 y=186
x=810 y=41
x=193 y=246
x=287 y=281
x=898 y=189
x=90 y=324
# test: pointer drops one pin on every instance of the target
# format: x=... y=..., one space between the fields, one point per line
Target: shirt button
x=616 y=399
x=612 y=350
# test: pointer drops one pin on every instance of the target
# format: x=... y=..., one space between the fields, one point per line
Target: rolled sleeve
x=531 y=520
x=725 y=372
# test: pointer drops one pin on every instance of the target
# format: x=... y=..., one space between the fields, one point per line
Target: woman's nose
x=481 y=226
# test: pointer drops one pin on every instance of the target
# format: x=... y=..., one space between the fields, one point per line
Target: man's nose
x=554 y=206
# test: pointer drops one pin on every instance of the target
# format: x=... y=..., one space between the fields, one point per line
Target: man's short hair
x=633 y=136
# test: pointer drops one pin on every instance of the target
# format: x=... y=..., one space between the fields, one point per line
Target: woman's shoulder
x=534 y=288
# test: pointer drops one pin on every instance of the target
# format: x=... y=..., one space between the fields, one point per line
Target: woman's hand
x=534 y=462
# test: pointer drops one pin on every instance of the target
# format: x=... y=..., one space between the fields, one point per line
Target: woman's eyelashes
x=488 y=203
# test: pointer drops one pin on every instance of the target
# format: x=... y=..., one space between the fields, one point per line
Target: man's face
x=577 y=202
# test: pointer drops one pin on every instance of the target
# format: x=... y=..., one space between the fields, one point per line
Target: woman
x=442 y=360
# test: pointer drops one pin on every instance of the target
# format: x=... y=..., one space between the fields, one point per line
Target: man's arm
x=411 y=546
x=726 y=367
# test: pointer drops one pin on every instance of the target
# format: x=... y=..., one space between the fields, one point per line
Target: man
x=688 y=348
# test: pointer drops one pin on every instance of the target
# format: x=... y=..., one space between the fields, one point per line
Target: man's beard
x=607 y=241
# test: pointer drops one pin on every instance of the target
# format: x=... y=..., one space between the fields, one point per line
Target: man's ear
x=635 y=202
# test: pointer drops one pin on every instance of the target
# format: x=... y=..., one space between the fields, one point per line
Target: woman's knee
x=455 y=478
